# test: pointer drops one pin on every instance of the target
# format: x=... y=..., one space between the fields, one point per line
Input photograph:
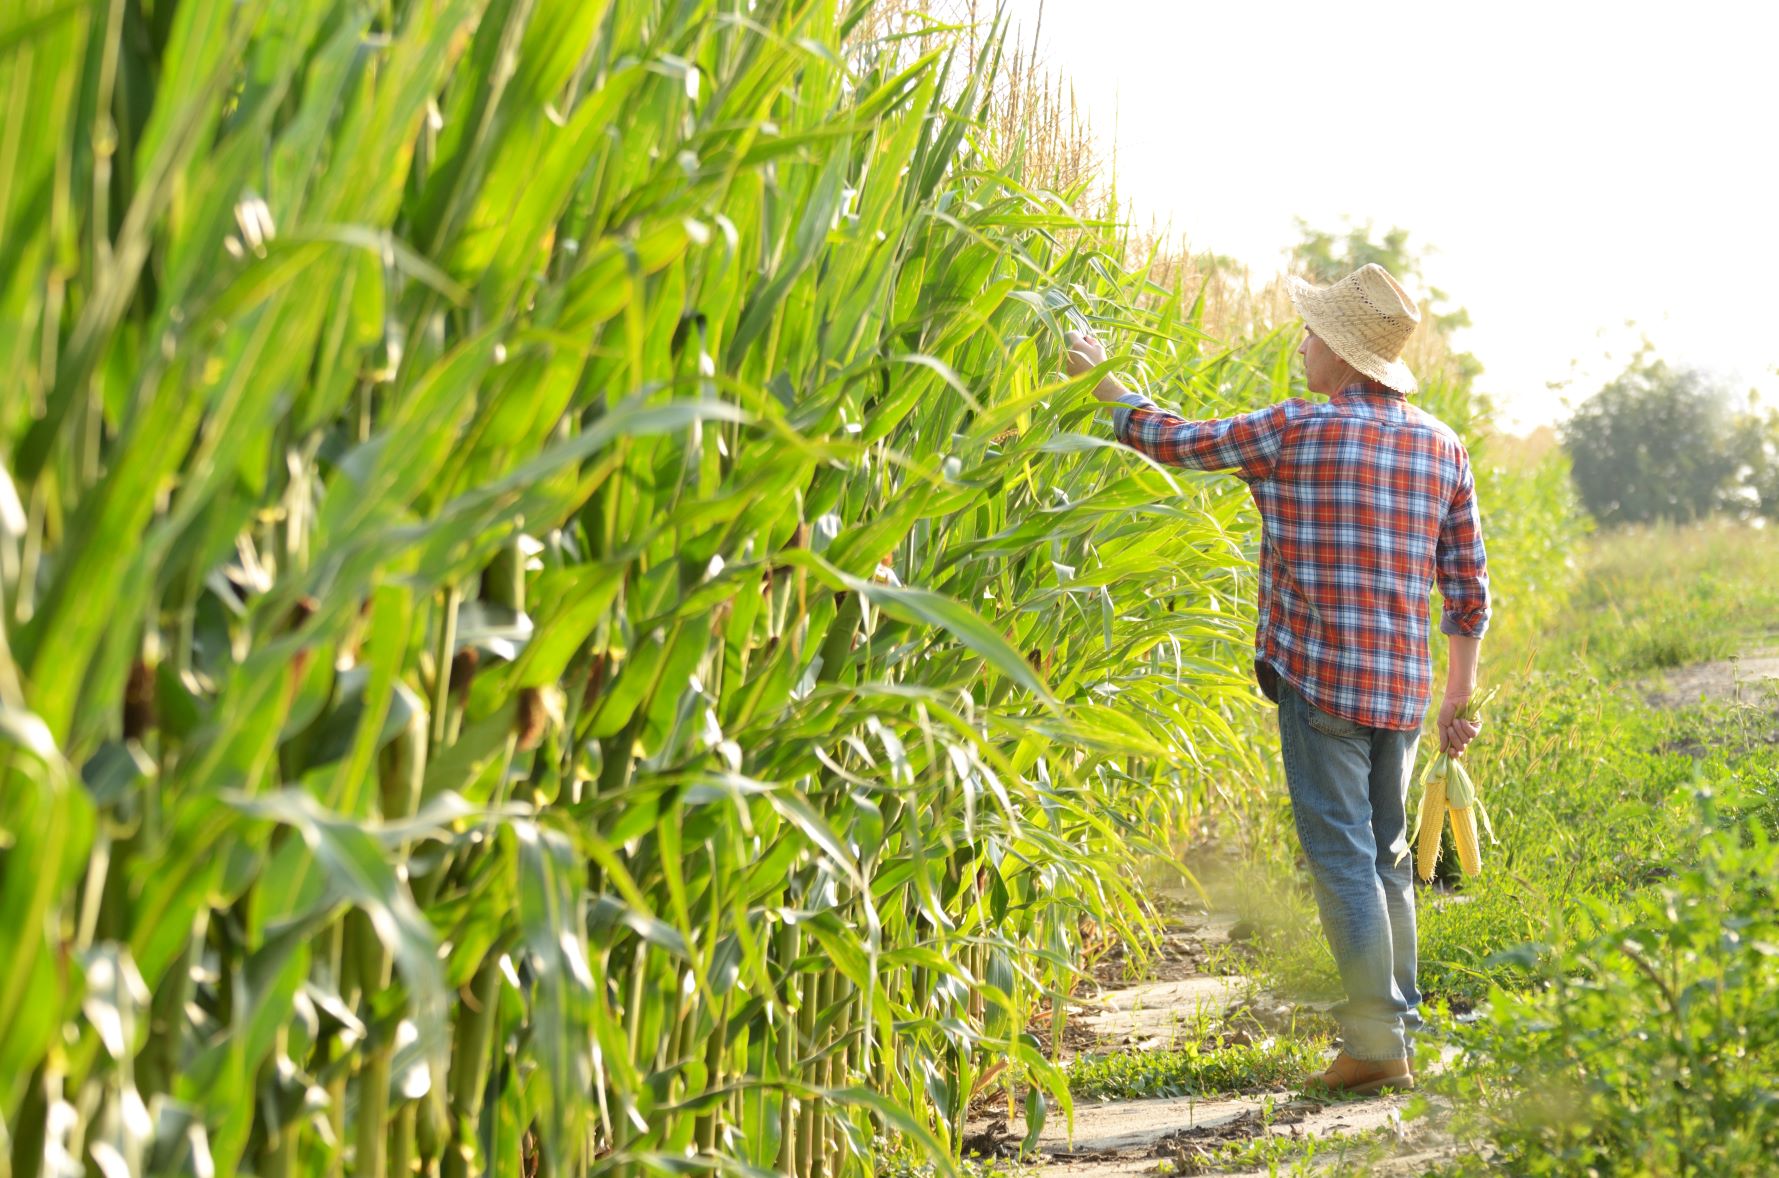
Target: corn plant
x=557 y=609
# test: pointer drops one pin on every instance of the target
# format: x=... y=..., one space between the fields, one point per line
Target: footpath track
x=1189 y=1134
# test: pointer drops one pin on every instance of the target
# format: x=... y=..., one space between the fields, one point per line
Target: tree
x=1756 y=449
x=1330 y=256
x=1663 y=443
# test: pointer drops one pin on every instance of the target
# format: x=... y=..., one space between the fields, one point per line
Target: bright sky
x=1576 y=165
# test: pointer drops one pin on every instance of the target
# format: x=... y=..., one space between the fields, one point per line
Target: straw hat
x=1366 y=318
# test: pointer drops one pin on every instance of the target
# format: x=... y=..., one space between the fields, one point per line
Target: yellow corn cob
x=1464 y=838
x=1463 y=804
x=1432 y=817
x=1446 y=787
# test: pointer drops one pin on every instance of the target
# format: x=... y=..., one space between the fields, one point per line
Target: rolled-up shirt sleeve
x=1463 y=567
x=1248 y=444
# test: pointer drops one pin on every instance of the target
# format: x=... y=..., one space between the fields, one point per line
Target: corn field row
x=559 y=616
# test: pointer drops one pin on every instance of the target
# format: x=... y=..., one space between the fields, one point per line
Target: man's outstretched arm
x=1248 y=444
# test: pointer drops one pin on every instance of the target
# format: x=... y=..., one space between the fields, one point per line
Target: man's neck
x=1362 y=385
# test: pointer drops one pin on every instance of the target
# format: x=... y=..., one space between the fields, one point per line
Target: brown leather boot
x=1359 y=1077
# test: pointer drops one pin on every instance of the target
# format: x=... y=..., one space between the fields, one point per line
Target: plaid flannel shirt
x=1365 y=502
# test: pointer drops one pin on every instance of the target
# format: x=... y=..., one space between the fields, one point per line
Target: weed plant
x=1645 y=1041
x=1277 y=1151
x=1194 y=1069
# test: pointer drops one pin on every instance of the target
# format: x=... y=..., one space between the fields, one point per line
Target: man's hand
x=1085 y=354
x=1455 y=732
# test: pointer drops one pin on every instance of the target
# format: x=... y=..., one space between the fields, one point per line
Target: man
x=1365 y=503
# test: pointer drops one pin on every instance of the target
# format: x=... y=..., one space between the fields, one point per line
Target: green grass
x=1664 y=596
x=1198 y=1069
x=1646 y=1041
x=1279 y=1152
x=894 y=1160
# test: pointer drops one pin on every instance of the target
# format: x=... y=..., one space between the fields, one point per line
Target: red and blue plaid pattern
x=1365 y=502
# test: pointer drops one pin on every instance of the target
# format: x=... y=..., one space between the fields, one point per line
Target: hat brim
x=1311 y=304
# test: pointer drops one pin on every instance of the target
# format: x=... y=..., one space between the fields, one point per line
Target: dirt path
x=1136 y=1136
x=1745 y=679
x=1186 y=1135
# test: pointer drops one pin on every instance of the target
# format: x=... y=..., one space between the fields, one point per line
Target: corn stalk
x=557 y=610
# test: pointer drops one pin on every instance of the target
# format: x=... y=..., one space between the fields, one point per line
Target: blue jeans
x=1349 y=795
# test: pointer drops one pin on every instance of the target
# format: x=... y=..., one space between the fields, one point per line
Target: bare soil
x=1747 y=679
x=1183 y=1135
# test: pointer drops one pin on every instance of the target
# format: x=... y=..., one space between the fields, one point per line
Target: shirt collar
x=1362 y=386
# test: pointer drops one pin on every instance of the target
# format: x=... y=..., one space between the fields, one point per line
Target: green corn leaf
x=551 y=912
x=356 y=871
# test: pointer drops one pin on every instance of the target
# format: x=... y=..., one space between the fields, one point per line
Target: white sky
x=1575 y=165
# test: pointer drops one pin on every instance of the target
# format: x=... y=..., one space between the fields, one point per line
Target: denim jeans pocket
x=1328 y=724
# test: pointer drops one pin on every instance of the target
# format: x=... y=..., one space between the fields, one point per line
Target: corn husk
x=1448 y=790
x=1429 y=819
x=1461 y=805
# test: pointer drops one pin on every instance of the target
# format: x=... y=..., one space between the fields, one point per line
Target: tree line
x=1666 y=442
